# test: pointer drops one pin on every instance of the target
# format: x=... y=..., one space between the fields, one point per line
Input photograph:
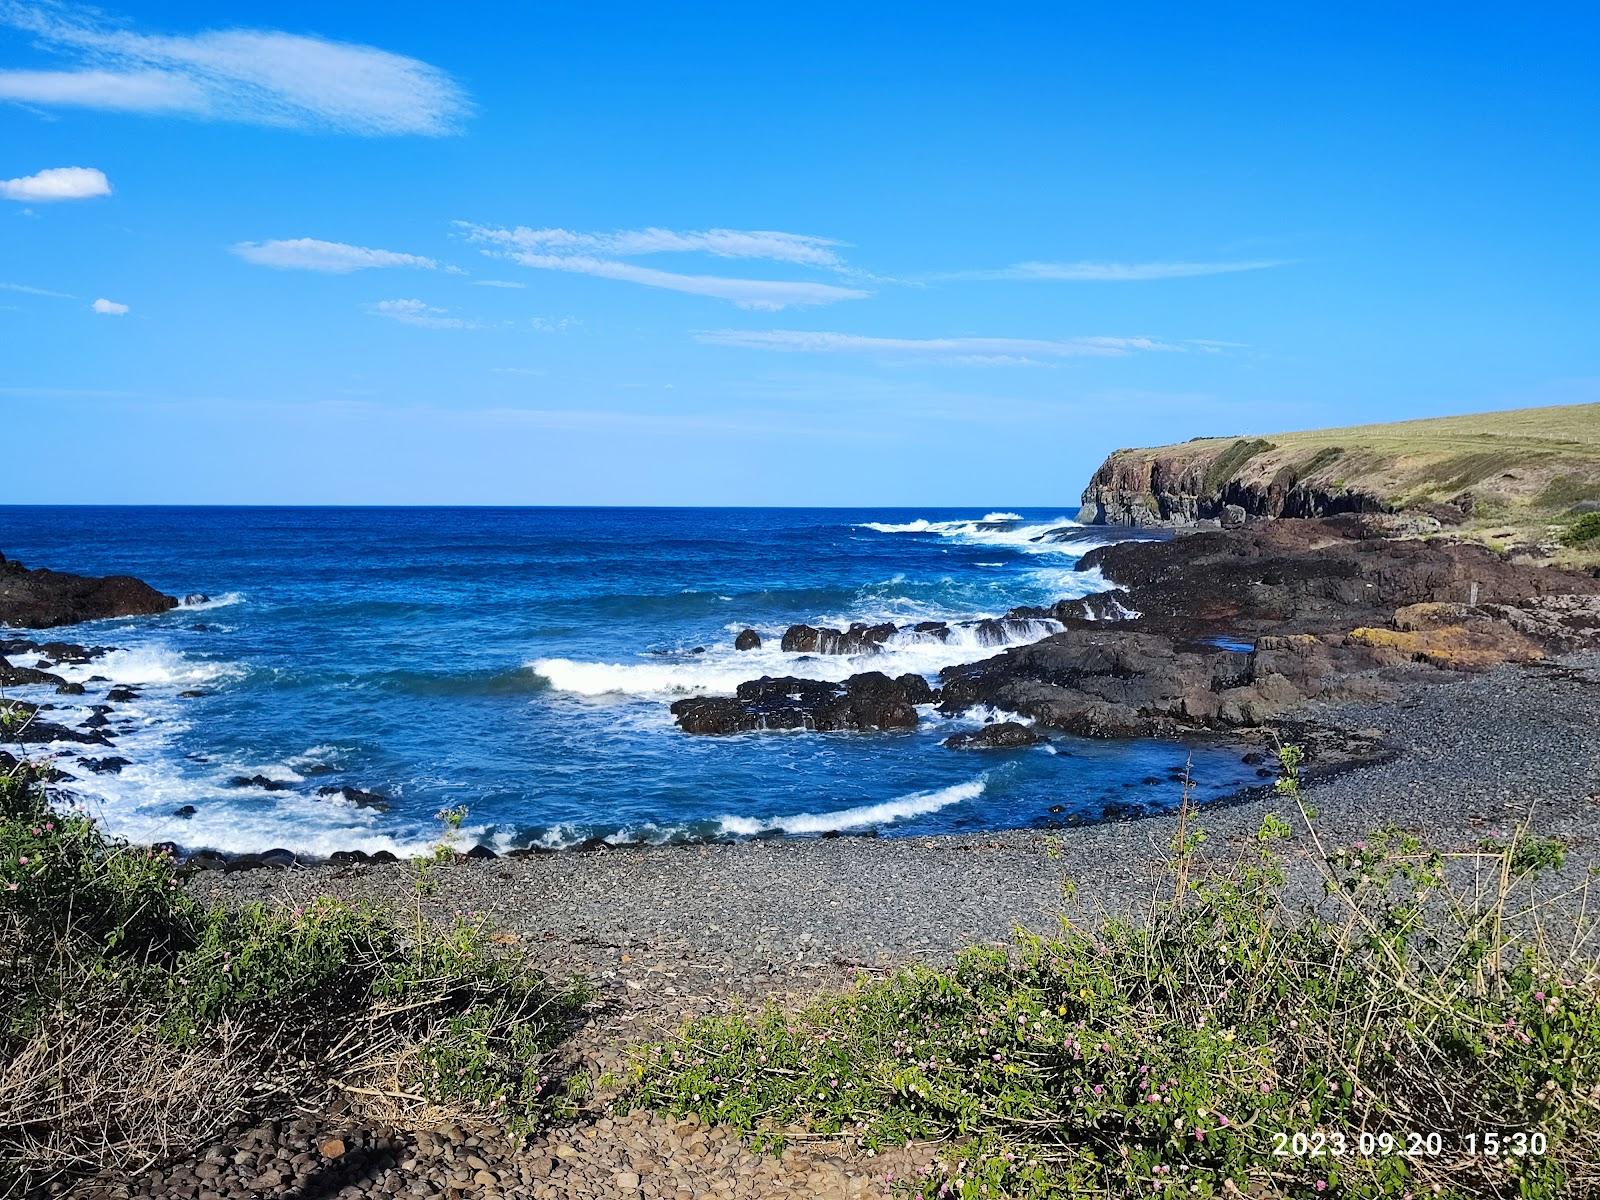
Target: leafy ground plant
x=1375 y=1044
x=138 y=1022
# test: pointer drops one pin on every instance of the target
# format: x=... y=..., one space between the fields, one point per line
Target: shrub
x=139 y=1022
x=1179 y=1055
x=1582 y=531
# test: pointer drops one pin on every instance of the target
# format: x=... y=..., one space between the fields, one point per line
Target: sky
x=821 y=254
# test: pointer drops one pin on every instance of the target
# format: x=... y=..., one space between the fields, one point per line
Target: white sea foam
x=150 y=665
x=916 y=804
x=1013 y=532
x=226 y=600
x=721 y=671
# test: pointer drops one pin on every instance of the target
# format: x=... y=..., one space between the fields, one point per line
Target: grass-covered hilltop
x=1526 y=479
x=1372 y=975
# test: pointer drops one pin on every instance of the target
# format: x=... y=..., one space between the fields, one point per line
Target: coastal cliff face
x=1202 y=480
x=1520 y=477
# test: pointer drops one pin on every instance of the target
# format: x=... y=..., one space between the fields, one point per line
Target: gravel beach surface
x=670 y=932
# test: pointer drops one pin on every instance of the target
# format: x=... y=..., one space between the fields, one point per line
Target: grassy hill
x=1524 y=477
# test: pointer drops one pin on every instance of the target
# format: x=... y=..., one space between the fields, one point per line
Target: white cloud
x=602 y=255
x=109 y=308
x=801 y=248
x=415 y=312
x=497 y=283
x=338 y=258
x=261 y=76
x=57 y=183
x=970 y=351
x=545 y=325
x=1111 y=272
x=35 y=291
x=768 y=294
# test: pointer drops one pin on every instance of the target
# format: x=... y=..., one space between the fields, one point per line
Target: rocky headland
x=42 y=598
x=1518 y=480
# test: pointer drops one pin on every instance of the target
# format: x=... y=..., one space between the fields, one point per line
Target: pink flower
x=1322 y=1185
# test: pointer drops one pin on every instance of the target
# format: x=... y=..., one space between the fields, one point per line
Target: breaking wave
x=865 y=816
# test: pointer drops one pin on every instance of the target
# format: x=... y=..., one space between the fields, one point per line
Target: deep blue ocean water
x=520 y=662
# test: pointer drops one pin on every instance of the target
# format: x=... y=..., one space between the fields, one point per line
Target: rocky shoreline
x=674 y=932
x=1229 y=634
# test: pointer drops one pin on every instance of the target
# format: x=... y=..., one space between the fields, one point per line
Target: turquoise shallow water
x=520 y=662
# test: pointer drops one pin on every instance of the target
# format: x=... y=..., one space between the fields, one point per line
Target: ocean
x=520 y=663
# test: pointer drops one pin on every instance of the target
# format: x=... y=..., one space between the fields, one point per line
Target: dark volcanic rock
x=748 y=639
x=868 y=701
x=259 y=781
x=1311 y=576
x=187 y=811
x=357 y=797
x=121 y=694
x=41 y=598
x=26 y=727
x=1002 y=735
x=110 y=765
x=1106 y=684
x=860 y=638
x=11 y=676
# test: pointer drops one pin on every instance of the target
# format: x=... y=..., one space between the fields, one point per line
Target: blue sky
x=731 y=254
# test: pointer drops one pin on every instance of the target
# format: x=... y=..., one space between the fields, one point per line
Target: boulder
x=1001 y=735
x=870 y=700
x=748 y=639
x=860 y=638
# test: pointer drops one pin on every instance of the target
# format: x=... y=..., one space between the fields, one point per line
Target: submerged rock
x=357 y=797
x=260 y=781
x=1002 y=735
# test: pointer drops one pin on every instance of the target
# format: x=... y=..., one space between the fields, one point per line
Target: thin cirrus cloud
x=603 y=255
x=418 y=313
x=1115 y=272
x=804 y=249
x=260 y=76
x=57 y=183
x=975 y=351
x=334 y=258
x=27 y=290
x=109 y=308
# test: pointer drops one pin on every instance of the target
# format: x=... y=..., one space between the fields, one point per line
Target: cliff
x=1526 y=473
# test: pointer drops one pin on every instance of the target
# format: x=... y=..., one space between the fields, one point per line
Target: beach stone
x=748 y=639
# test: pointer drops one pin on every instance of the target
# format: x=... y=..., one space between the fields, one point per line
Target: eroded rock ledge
x=1239 y=628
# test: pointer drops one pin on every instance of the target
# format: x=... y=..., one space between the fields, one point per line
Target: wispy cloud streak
x=975 y=351
x=334 y=258
x=1115 y=272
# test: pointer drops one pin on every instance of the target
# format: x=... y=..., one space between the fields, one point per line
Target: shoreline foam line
x=916 y=804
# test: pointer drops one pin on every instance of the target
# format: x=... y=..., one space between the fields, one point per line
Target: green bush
x=204 y=1015
x=1169 y=1057
x=1582 y=531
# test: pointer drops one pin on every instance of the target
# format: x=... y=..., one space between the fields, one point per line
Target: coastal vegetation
x=1418 y=1029
x=1524 y=479
x=1407 y=1036
x=138 y=1021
